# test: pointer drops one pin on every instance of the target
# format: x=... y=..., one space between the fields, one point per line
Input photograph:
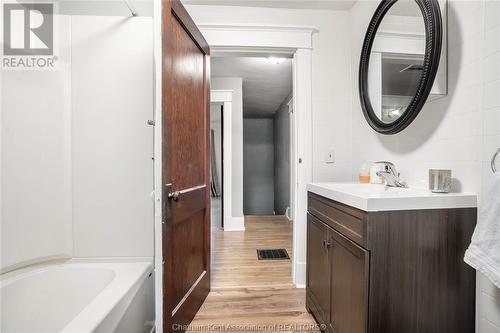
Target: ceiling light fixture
x=276 y=60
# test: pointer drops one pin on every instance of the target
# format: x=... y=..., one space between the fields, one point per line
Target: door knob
x=175 y=196
x=326 y=244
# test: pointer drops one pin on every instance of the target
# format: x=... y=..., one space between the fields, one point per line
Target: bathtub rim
x=102 y=305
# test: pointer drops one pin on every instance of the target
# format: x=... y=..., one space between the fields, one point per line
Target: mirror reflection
x=396 y=60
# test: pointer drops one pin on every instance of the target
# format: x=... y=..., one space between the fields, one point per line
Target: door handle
x=176 y=195
x=326 y=244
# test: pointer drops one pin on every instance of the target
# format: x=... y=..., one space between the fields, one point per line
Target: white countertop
x=374 y=197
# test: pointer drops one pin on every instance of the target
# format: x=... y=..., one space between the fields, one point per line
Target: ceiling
x=292 y=4
x=143 y=8
x=265 y=85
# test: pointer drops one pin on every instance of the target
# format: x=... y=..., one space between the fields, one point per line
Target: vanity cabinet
x=389 y=271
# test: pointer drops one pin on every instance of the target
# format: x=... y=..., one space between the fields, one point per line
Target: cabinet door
x=318 y=270
x=349 y=265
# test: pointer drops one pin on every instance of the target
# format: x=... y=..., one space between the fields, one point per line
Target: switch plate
x=330 y=156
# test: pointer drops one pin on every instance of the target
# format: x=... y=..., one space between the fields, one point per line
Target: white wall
x=489 y=297
x=36 y=160
x=282 y=152
x=236 y=85
x=459 y=131
x=331 y=102
x=76 y=160
x=216 y=126
x=112 y=83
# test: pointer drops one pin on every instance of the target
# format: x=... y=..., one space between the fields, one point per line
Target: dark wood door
x=348 y=286
x=318 y=270
x=185 y=166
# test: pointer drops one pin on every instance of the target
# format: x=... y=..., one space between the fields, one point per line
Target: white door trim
x=158 y=140
x=231 y=223
x=261 y=36
x=296 y=41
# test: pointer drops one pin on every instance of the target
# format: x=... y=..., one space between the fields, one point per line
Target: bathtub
x=78 y=296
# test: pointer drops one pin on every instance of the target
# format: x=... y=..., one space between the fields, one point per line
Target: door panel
x=318 y=271
x=186 y=167
x=188 y=134
x=188 y=254
x=349 y=285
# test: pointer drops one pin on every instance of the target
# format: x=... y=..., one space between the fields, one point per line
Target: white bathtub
x=78 y=296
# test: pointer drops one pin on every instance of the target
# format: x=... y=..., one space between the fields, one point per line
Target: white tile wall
x=488 y=304
x=460 y=131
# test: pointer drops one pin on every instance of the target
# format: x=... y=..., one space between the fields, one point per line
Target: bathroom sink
x=375 y=197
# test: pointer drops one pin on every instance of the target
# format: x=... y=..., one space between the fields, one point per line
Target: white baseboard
x=300 y=286
x=300 y=275
x=236 y=224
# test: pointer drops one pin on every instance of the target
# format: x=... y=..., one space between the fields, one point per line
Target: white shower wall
x=112 y=98
x=36 y=160
x=76 y=158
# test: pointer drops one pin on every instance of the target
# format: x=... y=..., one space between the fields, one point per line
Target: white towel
x=484 y=251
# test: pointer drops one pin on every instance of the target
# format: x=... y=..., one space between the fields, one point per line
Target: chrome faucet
x=390 y=175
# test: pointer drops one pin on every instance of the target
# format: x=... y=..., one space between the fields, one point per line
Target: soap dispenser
x=364 y=174
x=374 y=178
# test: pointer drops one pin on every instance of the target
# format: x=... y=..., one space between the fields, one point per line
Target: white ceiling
x=293 y=4
x=265 y=85
x=104 y=7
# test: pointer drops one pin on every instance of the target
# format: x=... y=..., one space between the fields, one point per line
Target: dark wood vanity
x=389 y=271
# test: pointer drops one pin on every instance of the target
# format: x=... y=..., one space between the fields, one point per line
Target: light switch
x=330 y=156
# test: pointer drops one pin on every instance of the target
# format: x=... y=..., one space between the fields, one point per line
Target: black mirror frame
x=433 y=41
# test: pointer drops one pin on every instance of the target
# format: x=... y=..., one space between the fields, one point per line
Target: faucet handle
x=389 y=167
x=385 y=162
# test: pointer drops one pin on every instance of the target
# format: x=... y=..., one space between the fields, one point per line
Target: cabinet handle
x=326 y=244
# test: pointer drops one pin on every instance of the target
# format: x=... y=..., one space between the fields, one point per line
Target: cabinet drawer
x=348 y=221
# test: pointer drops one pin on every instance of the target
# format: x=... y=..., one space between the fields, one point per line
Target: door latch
x=172 y=195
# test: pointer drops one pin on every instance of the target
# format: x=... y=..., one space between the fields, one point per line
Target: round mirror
x=399 y=62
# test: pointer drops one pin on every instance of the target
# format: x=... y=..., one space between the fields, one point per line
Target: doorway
x=294 y=41
x=217 y=164
x=260 y=133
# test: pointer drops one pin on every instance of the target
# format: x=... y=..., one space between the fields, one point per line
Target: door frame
x=226 y=98
x=158 y=158
x=288 y=41
x=291 y=161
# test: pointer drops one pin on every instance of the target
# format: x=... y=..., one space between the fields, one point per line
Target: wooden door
x=185 y=166
x=318 y=270
x=348 y=286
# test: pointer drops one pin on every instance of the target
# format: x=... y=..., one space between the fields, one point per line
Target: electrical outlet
x=330 y=156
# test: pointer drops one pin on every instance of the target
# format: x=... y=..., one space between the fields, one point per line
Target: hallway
x=248 y=294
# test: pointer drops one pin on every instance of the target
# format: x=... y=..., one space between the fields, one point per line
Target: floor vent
x=274 y=254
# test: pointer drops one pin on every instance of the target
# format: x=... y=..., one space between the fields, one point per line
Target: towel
x=483 y=253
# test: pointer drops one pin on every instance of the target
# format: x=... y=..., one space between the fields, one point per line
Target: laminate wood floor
x=250 y=294
x=234 y=254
